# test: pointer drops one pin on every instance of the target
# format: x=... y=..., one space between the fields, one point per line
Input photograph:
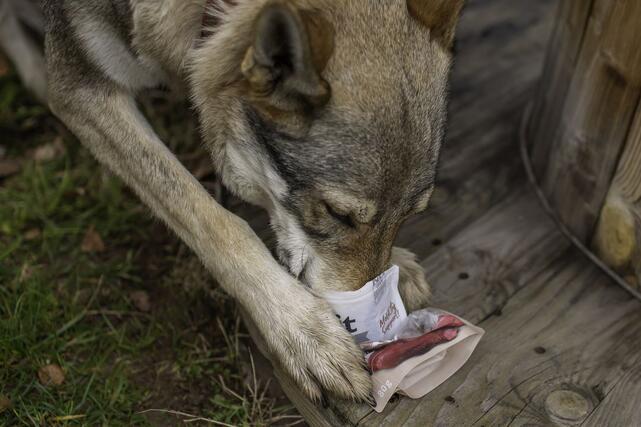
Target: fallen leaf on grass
x=92 y=242
x=26 y=272
x=140 y=300
x=10 y=166
x=50 y=151
x=32 y=234
x=51 y=375
x=5 y=403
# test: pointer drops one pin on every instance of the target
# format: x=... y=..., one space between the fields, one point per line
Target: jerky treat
x=399 y=351
x=448 y=321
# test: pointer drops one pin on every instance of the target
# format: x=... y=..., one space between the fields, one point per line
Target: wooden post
x=561 y=57
x=585 y=131
x=587 y=100
x=618 y=236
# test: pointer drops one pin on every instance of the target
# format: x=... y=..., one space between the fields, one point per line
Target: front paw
x=317 y=352
x=412 y=285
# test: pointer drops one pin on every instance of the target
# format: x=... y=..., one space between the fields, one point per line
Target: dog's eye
x=342 y=218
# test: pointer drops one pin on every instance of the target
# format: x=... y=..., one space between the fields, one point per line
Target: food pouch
x=374 y=312
x=411 y=354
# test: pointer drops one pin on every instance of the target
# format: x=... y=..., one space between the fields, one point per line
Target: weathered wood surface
x=570 y=329
x=577 y=149
x=500 y=51
x=561 y=57
x=618 y=236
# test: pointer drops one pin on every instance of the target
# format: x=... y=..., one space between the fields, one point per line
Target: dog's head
x=330 y=114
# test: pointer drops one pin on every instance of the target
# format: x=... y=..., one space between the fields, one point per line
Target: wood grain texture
x=617 y=239
x=561 y=57
x=576 y=165
x=570 y=329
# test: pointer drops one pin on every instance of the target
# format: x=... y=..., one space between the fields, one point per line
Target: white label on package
x=372 y=313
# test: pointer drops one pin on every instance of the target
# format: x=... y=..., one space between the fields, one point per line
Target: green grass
x=62 y=305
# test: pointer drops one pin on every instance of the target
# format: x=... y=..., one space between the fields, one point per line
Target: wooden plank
x=460 y=199
x=562 y=54
x=570 y=335
x=618 y=235
x=621 y=403
x=596 y=115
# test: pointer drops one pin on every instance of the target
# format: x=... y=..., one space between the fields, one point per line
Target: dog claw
x=371 y=401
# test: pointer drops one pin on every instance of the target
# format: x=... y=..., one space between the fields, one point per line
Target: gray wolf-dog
x=329 y=114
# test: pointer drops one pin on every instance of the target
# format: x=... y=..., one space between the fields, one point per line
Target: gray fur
x=338 y=174
x=17 y=17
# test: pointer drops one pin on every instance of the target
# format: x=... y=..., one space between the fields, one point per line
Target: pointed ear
x=440 y=16
x=289 y=50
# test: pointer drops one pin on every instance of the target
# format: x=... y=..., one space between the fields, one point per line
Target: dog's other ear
x=282 y=66
x=440 y=16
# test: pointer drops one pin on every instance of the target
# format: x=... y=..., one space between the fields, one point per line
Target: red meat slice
x=399 y=351
x=448 y=321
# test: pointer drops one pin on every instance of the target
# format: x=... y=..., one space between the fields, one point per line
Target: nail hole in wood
x=463 y=276
x=540 y=350
x=437 y=242
x=450 y=399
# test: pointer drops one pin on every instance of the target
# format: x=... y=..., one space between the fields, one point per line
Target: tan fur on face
x=388 y=76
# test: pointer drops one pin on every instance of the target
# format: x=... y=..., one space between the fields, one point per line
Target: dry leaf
x=140 y=300
x=10 y=166
x=5 y=403
x=51 y=375
x=32 y=234
x=49 y=151
x=25 y=273
x=92 y=242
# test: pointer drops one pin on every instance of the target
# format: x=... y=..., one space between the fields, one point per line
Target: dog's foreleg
x=299 y=327
x=30 y=14
x=23 y=52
